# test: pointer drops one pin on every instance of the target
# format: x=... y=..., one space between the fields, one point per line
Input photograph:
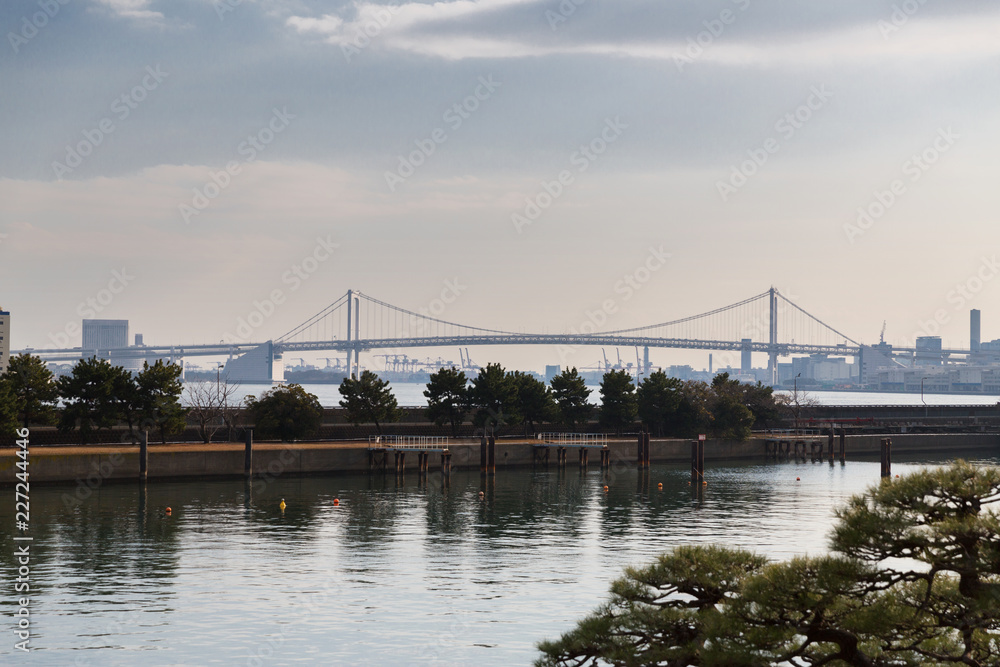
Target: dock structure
x=787 y=445
x=563 y=442
x=381 y=446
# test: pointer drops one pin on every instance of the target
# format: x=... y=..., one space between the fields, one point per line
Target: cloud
x=504 y=29
x=132 y=9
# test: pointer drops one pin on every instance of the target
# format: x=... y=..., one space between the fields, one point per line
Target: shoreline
x=95 y=464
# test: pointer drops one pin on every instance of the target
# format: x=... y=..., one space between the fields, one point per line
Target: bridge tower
x=353 y=311
x=772 y=350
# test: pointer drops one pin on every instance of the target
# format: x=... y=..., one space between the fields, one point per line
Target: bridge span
x=767 y=323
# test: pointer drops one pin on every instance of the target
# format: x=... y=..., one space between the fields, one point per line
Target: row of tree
x=497 y=397
x=665 y=405
x=96 y=396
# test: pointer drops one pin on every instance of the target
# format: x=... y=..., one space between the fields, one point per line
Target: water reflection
x=402 y=571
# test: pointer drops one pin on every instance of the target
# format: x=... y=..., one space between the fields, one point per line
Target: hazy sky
x=739 y=137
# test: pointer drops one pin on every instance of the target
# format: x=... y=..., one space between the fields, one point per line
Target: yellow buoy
x=282 y=505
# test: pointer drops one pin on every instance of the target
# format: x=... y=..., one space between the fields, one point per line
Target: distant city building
x=104 y=334
x=101 y=335
x=873 y=359
x=974 y=330
x=928 y=351
x=4 y=340
x=551 y=372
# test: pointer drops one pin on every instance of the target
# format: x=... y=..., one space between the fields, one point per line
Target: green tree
x=8 y=408
x=663 y=614
x=694 y=415
x=572 y=398
x=731 y=419
x=447 y=397
x=159 y=390
x=93 y=396
x=759 y=399
x=914 y=579
x=534 y=401
x=618 y=404
x=34 y=389
x=658 y=399
x=368 y=399
x=493 y=395
x=287 y=412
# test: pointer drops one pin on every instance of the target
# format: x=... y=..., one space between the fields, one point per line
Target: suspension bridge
x=768 y=323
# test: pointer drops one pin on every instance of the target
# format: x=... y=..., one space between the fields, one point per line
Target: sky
x=171 y=162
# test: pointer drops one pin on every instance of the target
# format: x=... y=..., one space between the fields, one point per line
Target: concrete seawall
x=90 y=464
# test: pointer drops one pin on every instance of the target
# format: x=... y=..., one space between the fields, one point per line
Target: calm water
x=412 y=393
x=414 y=574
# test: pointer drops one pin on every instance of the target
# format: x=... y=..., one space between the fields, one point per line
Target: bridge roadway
x=235 y=349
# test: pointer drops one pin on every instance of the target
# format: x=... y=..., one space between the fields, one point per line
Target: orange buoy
x=482 y=495
x=168 y=510
x=605 y=488
x=798 y=479
x=336 y=501
x=660 y=485
x=704 y=483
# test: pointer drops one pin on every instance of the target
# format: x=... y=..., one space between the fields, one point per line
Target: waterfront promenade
x=70 y=464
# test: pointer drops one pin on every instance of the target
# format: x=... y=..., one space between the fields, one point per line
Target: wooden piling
x=248 y=454
x=843 y=445
x=639 y=456
x=483 y=461
x=645 y=449
x=605 y=457
x=829 y=443
x=446 y=463
x=701 y=459
x=886 y=456
x=143 y=455
x=491 y=456
x=694 y=463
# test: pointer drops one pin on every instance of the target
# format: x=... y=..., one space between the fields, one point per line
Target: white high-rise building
x=4 y=340
x=104 y=334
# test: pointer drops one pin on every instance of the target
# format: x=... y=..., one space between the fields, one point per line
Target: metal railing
x=575 y=439
x=407 y=442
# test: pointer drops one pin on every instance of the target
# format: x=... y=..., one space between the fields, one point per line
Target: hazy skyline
x=188 y=157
